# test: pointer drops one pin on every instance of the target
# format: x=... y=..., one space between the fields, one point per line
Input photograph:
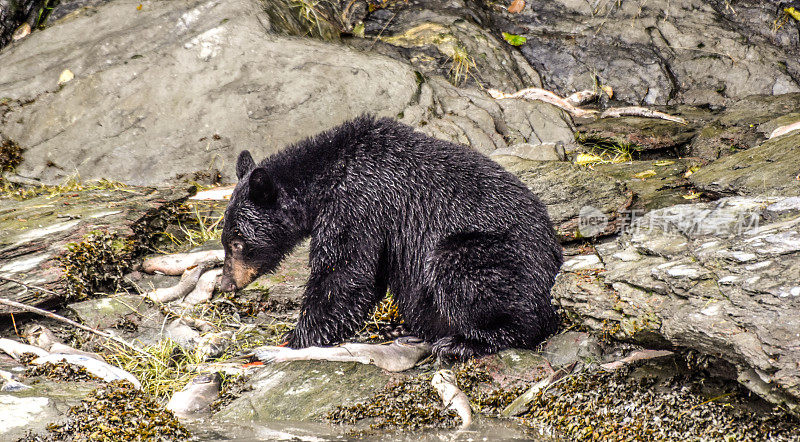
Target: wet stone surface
x=35 y=232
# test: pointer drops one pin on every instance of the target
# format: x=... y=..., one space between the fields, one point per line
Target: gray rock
x=692 y=51
x=303 y=390
x=571 y=347
x=181 y=88
x=535 y=152
x=636 y=133
x=769 y=169
x=667 y=187
x=446 y=38
x=34 y=232
x=573 y=195
x=744 y=124
x=720 y=278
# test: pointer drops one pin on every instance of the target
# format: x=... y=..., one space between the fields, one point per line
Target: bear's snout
x=226 y=284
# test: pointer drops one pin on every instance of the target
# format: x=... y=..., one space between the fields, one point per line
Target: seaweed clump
x=96 y=264
x=116 y=411
x=623 y=406
x=10 y=154
x=410 y=404
x=60 y=371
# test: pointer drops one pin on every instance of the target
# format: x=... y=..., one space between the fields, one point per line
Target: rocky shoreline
x=681 y=236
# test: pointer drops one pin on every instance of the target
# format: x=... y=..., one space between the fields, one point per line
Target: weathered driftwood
x=720 y=278
x=570 y=104
x=35 y=232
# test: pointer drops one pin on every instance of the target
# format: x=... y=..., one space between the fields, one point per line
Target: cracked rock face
x=198 y=82
x=690 y=51
x=722 y=278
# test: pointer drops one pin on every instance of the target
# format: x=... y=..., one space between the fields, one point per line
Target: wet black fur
x=465 y=248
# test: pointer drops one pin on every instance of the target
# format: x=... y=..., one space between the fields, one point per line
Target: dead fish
x=783 y=130
x=177 y=264
x=218 y=194
x=10 y=382
x=444 y=382
x=212 y=345
x=400 y=355
x=196 y=397
x=65 y=349
x=640 y=355
x=40 y=336
x=100 y=369
x=43 y=337
x=16 y=349
x=204 y=288
x=581 y=97
x=187 y=283
x=23 y=31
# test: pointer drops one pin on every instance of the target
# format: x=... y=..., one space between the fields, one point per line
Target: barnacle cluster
x=116 y=411
x=60 y=371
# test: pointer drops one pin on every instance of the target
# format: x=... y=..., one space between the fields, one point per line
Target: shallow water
x=483 y=429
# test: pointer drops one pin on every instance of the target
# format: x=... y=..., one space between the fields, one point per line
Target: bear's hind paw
x=459 y=348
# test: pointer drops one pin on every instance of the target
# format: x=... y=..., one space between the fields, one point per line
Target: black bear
x=467 y=251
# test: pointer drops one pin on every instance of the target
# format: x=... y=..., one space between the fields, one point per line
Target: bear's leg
x=492 y=293
x=336 y=303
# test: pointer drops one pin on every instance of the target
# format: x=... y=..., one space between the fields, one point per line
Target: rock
x=570 y=347
x=469 y=116
x=719 y=278
x=692 y=51
x=25 y=413
x=654 y=183
x=34 y=232
x=102 y=313
x=14 y=13
x=535 y=152
x=568 y=191
x=205 y=79
x=636 y=133
x=769 y=169
x=744 y=124
x=514 y=367
x=447 y=39
x=33 y=409
x=303 y=390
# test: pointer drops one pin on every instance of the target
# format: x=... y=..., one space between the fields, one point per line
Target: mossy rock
x=769 y=169
x=636 y=133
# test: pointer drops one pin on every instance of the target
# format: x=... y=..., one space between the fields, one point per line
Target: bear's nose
x=227 y=284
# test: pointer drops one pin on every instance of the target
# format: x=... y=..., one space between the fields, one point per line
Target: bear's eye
x=237 y=247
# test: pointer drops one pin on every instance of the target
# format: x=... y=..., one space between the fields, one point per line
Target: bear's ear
x=263 y=191
x=244 y=164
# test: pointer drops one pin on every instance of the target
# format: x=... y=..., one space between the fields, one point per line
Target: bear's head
x=262 y=224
